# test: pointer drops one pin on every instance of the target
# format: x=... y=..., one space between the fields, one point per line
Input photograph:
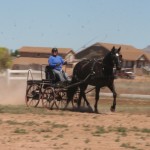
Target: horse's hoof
x=96 y=111
x=112 y=109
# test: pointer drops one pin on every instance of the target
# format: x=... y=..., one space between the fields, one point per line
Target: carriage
x=49 y=90
x=95 y=72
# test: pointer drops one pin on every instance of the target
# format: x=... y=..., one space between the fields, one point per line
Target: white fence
x=21 y=74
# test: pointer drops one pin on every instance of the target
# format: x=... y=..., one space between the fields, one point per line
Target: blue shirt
x=54 y=60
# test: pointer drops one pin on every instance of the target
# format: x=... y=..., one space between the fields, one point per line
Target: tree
x=5 y=59
x=15 y=53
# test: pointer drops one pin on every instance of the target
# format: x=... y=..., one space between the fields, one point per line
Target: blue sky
x=74 y=23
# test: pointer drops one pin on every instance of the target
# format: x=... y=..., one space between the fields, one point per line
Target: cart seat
x=51 y=75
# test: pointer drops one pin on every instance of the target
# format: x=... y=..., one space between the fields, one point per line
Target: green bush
x=5 y=59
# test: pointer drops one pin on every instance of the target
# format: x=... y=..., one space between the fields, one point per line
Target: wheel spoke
x=32 y=95
x=48 y=97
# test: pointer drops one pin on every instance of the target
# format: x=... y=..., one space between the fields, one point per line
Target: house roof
x=44 y=50
x=128 y=52
x=29 y=60
x=34 y=60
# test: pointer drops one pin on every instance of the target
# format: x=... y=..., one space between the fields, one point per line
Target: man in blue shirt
x=56 y=62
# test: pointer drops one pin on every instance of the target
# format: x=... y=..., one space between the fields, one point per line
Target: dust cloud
x=12 y=93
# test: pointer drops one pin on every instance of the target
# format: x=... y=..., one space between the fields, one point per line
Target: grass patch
x=99 y=130
x=30 y=123
x=42 y=130
x=145 y=130
x=13 y=122
x=127 y=145
x=56 y=125
x=60 y=136
x=123 y=105
x=122 y=130
x=117 y=139
x=22 y=109
x=47 y=122
x=86 y=140
x=46 y=136
x=20 y=131
x=27 y=123
x=86 y=127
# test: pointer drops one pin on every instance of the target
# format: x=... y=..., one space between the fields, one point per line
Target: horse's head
x=116 y=57
x=113 y=58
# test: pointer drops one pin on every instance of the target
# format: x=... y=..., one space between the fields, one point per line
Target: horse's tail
x=72 y=89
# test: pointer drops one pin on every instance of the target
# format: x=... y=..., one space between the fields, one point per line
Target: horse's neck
x=108 y=66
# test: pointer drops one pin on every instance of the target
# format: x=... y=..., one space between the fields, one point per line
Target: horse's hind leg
x=80 y=97
x=87 y=103
x=82 y=94
x=97 y=90
x=70 y=94
x=85 y=99
x=112 y=88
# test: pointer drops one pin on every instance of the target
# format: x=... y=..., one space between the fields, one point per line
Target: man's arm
x=50 y=62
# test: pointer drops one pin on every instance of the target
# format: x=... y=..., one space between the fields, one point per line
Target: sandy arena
x=25 y=128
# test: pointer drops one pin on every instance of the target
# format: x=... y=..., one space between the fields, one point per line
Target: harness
x=92 y=72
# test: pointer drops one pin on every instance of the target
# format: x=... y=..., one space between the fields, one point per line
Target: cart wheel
x=33 y=95
x=61 y=99
x=75 y=99
x=48 y=98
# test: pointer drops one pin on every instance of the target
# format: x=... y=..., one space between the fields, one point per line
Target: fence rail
x=20 y=74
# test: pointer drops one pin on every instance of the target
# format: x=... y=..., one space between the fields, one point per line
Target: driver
x=56 y=62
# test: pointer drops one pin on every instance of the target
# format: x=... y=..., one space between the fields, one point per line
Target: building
x=132 y=57
x=34 y=57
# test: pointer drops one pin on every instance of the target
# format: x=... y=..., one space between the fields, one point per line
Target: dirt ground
x=75 y=130
x=127 y=128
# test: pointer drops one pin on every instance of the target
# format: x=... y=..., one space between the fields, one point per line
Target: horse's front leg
x=97 y=90
x=85 y=100
x=80 y=97
x=112 y=88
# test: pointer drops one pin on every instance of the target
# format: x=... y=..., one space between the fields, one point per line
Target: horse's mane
x=99 y=60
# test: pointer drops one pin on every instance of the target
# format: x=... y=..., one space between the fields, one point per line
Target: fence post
x=8 y=76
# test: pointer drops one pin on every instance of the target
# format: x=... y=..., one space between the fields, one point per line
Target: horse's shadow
x=82 y=109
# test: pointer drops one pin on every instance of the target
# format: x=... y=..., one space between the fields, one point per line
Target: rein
x=92 y=68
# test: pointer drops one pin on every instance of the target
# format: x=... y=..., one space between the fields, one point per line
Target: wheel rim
x=48 y=98
x=75 y=99
x=62 y=100
x=32 y=95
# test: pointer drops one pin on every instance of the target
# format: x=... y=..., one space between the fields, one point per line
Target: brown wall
x=39 y=55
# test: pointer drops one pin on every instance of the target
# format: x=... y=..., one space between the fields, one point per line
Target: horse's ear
x=113 y=49
x=119 y=49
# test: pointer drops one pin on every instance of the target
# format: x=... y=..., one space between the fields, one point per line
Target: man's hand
x=65 y=62
x=58 y=64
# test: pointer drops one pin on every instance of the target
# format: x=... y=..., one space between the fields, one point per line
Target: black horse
x=98 y=73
